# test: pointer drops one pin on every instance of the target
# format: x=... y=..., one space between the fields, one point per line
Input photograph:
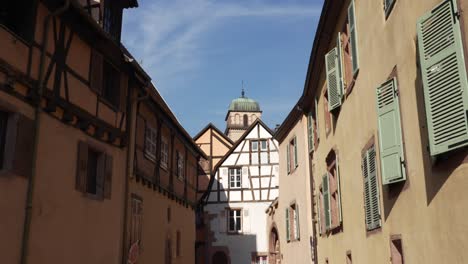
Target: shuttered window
x=353 y=37
x=296 y=221
x=388 y=5
x=390 y=133
x=444 y=78
x=317 y=131
x=326 y=201
x=295 y=152
x=371 y=190
x=310 y=131
x=94 y=172
x=333 y=64
x=288 y=231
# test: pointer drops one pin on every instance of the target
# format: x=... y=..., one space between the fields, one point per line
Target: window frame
x=151 y=142
x=164 y=153
x=256 y=143
x=234 y=218
x=235 y=181
x=180 y=165
x=261 y=145
x=136 y=219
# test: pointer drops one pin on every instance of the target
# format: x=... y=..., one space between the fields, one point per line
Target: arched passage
x=274 y=247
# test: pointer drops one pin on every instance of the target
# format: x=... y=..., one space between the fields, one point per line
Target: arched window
x=246 y=121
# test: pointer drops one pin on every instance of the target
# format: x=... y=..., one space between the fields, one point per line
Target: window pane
x=264 y=145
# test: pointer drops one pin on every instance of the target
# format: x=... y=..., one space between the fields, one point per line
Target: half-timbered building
x=215 y=144
x=163 y=181
x=245 y=183
x=63 y=134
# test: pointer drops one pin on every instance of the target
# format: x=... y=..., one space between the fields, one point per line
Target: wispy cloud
x=168 y=36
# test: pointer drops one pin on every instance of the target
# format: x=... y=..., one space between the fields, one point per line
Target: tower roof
x=244 y=104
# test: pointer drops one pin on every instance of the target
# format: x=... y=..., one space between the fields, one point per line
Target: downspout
x=37 y=123
x=131 y=123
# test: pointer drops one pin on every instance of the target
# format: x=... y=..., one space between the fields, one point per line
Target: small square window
x=235 y=177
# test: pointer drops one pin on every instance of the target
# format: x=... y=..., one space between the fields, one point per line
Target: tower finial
x=243 y=92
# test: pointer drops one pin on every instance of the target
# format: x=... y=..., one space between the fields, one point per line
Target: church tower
x=242 y=113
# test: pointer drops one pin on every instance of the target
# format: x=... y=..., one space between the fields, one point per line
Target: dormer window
x=112 y=18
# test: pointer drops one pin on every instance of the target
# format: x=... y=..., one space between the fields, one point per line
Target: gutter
x=37 y=123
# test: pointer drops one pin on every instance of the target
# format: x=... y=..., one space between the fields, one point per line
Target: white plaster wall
x=254 y=237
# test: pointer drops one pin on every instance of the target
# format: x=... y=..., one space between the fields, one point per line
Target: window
x=111 y=84
x=254 y=145
x=180 y=166
x=246 y=121
x=164 y=152
x=263 y=145
x=112 y=20
x=19 y=17
x=349 y=259
x=150 y=142
x=292 y=223
x=235 y=220
x=261 y=260
x=136 y=221
x=178 y=242
x=94 y=173
x=334 y=74
x=310 y=131
x=444 y=76
x=330 y=197
x=327 y=114
x=371 y=190
x=291 y=155
x=390 y=133
x=396 y=250
x=3 y=132
x=352 y=52
x=235 y=177
x=388 y=6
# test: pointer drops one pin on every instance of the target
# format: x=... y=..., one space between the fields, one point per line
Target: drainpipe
x=131 y=149
x=37 y=115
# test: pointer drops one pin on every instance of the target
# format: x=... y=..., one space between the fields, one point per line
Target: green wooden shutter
x=444 y=78
x=371 y=190
x=288 y=157
x=338 y=190
x=295 y=152
x=310 y=131
x=353 y=37
x=390 y=135
x=334 y=78
x=326 y=200
x=297 y=226
x=288 y=238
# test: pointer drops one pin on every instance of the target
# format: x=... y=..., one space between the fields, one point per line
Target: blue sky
x=198 y=52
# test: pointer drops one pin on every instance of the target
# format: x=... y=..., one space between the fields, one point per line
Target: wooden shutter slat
x=338 y=190
x=108 y=177
x=390 y=133
x=374 y=188
x=82 y=167
x=96 y=73
x=367 y=197
x=444 y=77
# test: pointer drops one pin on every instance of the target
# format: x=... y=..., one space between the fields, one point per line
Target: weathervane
x=243 y=92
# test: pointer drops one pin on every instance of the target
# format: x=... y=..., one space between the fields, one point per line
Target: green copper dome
x=244 y=104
